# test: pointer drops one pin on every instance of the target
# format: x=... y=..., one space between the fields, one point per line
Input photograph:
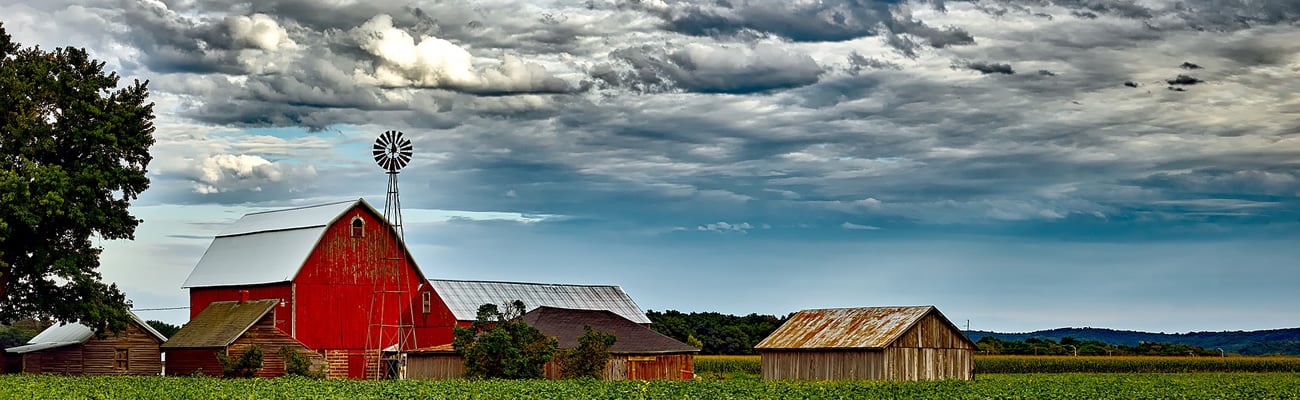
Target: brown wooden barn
x=638 y=352
x=74 y=349
x=232 y=328
x=880 y=343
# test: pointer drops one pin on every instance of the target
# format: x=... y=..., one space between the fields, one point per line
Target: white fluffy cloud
x=258 y=31
x=402 y=61
x=725 y=227
x=230 y=172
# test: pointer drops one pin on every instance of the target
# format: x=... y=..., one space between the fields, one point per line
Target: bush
x=500 y=345
x=297 y=364
x=245 y=367
x=589 y=358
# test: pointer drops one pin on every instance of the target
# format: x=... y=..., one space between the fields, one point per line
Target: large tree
x=73 y=153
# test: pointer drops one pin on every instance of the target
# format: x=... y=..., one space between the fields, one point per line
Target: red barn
x=345 y=285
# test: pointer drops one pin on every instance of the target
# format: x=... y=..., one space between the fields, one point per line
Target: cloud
x=989 y=68
x=402 y=61
x=1184 y=80
x=230 y=172
x=710 y=69
x=258 y=31
x=720 y=226
x=855 y=227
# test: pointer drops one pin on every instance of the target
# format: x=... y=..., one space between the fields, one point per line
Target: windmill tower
x=390 y=333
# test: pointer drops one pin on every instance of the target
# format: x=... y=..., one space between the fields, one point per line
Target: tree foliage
x=715 y=333
x=500 y=345
x=588 y=359
x=73 y=154
x=166 y=329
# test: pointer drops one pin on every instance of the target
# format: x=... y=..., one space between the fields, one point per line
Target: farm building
x=462 y=298
x=74 y=349
x=344 y=285
x=232 y=328
x=637 y=353
x=881 y=343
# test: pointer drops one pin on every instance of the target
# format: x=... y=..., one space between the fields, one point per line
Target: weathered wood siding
x=823 y=364
x=270 y=339
x=620 y=367
x=98 y=356
x=435 y=366
x=186 y=362
x=931 y=350
x=66 y=360
x=639 y=367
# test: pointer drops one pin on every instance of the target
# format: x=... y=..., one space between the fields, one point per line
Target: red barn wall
x=186 y=362
x=335 y=290
x=201 y=297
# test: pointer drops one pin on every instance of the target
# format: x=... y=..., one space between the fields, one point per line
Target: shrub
x=588 y=359
x=246 y=366
x=500 y=345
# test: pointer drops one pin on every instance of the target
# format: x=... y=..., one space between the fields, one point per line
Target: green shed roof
x=220 y=324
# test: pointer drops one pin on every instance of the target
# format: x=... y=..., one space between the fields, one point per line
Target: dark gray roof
x=632 y=338
x=220 y=324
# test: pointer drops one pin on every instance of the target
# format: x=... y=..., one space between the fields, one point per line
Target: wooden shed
x=232 y=328
x=74 y=349
x=879 y=343
x=435 y=362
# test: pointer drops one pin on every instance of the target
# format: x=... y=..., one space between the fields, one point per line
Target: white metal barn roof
x=70 y=334
x=465 y=297
x=265 y=247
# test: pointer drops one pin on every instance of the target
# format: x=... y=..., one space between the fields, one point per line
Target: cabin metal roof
x=566 y=326
x=220 y=324
x=71 y=333
x=267 y=247
x=845 y=328
x=465 y=297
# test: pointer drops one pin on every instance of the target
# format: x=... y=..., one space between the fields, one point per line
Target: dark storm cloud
x=859 y=63
x=822 y=21
x=1184 y=80
x=710 y=69
x=989 y=67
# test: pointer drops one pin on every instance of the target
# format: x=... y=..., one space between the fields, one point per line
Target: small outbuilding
x=637 y=353
x=75 y=349
x=879 y=343
x=232 y=328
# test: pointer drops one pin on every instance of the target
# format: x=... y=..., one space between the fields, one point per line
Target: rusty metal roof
x=71 y=333
x=566 y=326
x=220 y=324
x=846 y=328
x=465 y=297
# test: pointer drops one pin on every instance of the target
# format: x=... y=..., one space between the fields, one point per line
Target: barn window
x=358 y=226
x=122 y=360
x=426 y=301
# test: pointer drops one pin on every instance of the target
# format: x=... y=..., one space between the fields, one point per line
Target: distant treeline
x=1249 y=343
x=715 y=333
x=1071 y=346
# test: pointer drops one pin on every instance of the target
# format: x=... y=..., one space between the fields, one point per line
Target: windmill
x=389 y=335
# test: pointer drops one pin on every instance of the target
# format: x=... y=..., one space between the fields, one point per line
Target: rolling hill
x=1273 y=341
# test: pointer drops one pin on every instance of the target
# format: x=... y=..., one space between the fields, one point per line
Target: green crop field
x=993 y=386
x=722 y=366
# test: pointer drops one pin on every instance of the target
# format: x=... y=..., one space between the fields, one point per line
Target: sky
x=1021 y=164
